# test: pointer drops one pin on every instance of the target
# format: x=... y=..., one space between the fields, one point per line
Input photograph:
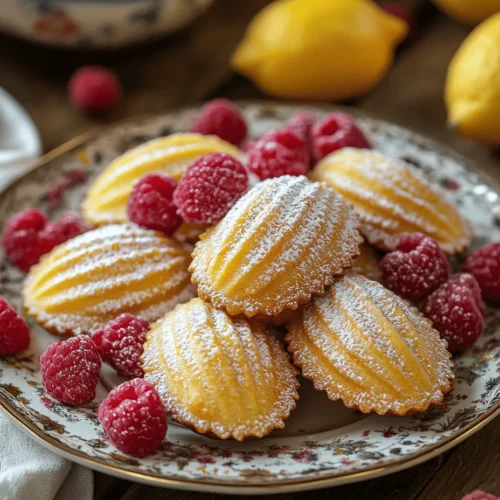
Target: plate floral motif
x=323 y=443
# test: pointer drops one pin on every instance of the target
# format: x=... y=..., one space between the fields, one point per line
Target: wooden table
x=192 y=66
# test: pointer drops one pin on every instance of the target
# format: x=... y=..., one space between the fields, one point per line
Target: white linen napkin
x=27 y=470
x=30 y=472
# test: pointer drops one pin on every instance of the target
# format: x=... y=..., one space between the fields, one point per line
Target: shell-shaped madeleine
x=391 y=198
x=280 y=244
x=366 y=346
x=367 y=263
x=91 y=279
x=106 y=201
x=221 y=376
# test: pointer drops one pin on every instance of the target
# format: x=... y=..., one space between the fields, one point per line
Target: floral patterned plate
x=323 y=444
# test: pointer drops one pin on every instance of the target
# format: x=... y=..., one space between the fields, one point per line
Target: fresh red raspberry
x=14 y=332
x=479 y=495
x=484 y=265
x=94 y=88
x=151 y=203
x=220 y=117
x=70 y=370
x=210 y=187
x=456 y=308
x=279 y=152
x=398 y=10
x=301 y=124
x=69 y=225
x=336 y=131
x=27 y=236
x=121 y=344
x=134 y=418
x=416 y=267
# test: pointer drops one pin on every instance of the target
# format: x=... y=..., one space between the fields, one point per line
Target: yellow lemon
x=472 y=91
x=469 y=11
x=319 y=49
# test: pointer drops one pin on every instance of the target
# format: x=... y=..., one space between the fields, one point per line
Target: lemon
x=469 y=11
x=472 y=92
x=319 y=49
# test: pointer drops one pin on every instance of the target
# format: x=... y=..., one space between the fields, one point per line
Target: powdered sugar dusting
x=364 y=345
x=222 y=376
x=95 y=277
x=281 y=243
x=107 y=199
x=392 y=198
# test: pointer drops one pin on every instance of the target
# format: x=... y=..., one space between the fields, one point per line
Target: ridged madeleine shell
x=225 y=377
x=369 y=348
x=91 y=279
x=107 y=199
x=280 y=244
x=391 y=198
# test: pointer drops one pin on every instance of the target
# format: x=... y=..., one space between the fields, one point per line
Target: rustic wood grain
x=405 y=485
x=109 y=487
x=157 y=76
x=472 y=465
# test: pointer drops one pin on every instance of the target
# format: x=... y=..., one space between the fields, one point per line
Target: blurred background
x=167 y=53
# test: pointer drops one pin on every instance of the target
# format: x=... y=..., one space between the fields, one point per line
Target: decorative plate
x=323 y=444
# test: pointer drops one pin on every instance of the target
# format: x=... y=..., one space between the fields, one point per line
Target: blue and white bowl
x=97 y=23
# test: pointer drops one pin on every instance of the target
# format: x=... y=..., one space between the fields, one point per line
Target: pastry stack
x=300 y=251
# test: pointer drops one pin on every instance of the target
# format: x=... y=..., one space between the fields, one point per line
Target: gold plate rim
x=231 y=486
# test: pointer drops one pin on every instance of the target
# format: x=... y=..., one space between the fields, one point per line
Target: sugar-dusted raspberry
x=479 y=495
x=399 y=10
x=27 y=236
x=14 y=332
x=69 y=225
x=210 y=187
x=416 y=267
x=279 y=152
x=336 y=131
x=121 y=344
x=94 y=88
x=301 y=124
x=70 y=370
x=484 y=265
x=455 y=308
x=220 y=117
x=151 y=204
x=134 y=418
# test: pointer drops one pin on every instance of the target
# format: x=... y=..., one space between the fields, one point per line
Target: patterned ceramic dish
x=97 y=23
x=323 y=444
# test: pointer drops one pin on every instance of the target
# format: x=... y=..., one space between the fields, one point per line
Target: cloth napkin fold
x=30 y=472
x=27 y=470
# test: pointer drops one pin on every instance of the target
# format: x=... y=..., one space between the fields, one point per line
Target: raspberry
x=479 y=495
x=220 y=117
x=336 y=131
x=416 y=268
x=456 y=311
x=70 y=370
x=94 y=88
x=14 y=332
x=301 y=124
x=151 y=203
x=398 y=10
x=279 y=152
x=27 y=236
x=70 y=225
x=134 y=418
x=484 y=265
x=210 y=187
x=121 y=343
